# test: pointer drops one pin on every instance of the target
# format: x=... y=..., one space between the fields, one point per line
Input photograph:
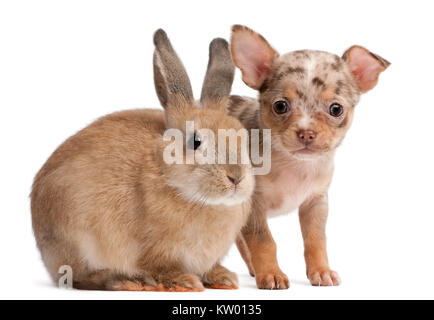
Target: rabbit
x=108 y=205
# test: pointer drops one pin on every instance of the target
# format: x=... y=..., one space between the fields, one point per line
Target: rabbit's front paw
x=183 y=282
x=125 y=285
x=220 y=278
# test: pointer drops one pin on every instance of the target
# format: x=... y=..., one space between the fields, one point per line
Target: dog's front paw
x=272 y=281
x=323 y=277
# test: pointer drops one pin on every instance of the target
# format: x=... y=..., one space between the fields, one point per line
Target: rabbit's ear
x=219 y=75
x=171 y=80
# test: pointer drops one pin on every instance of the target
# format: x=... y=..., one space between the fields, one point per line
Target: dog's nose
x=306 y=136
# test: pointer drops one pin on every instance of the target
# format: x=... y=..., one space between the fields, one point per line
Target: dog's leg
x=245 y=254
x=313 y=217
x=263 y=254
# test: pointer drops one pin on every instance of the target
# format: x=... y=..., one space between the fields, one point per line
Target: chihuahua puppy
x=307 y=99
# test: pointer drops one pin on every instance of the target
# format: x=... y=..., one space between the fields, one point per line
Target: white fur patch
x=305 y=121
x=191 y=192
x=310 y=66
x=232 y=199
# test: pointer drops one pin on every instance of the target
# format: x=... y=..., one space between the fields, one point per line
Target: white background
x=65 y=63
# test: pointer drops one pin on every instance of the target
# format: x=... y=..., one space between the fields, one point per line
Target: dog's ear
x=365 y=67
x=252 y=54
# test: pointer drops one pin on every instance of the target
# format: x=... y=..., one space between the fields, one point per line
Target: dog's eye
x=194 y=141
x=336 y=110
x=281 y=107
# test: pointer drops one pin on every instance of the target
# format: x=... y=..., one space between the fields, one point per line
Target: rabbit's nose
x=235 y=181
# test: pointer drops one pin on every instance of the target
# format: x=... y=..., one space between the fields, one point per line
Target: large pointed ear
x=219 y=75
x=171 y=80
x=252 y=54
x=365 y=67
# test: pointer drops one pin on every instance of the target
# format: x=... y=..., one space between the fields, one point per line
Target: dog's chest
x=288 y=187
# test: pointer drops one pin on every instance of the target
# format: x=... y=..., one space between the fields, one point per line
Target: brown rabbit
x=108 y=205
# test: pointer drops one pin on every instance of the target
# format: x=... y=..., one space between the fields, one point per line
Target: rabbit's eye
x=194 y=142
x=336 y=110
x=281 y=107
